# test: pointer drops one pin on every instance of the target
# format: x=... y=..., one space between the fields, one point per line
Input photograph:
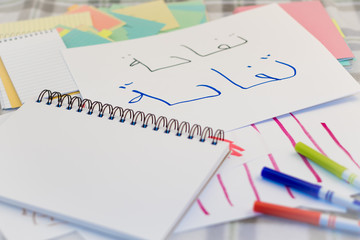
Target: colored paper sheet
x=115 y=6
x=105 y=33
x=338 y=28
x=46 y=23
x=154 y=11
x=188 y=18
x=188 y=13
x=345 y=63
x=77 y=38
x=87 y=29
x=138 y=27
x=9 y=88
x=119 y=34
x=225 y=66
x=62 y=27
x=62 y=31
x=100 y=19
x=313 y=16
x=187 y=6
x=73 y=7
x=205 y=19
x=135 y=27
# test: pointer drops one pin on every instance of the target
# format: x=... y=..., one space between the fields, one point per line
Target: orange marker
x=312 y=217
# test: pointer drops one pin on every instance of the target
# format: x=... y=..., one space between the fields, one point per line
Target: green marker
x=328 y=164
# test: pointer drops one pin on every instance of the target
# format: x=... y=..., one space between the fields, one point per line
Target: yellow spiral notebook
x=35 y=36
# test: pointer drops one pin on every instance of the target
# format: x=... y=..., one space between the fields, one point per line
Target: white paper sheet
x=332 y=129
x=226 y=74
x=112 y=177
x=230 y=194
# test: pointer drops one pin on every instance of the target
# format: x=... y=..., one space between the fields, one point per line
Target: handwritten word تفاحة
x=181 y=60
x=214 y=92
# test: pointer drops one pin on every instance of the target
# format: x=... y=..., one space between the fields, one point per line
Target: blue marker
x=311 y=189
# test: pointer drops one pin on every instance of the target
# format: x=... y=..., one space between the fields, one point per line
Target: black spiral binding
x=149 y=119
x=4 y=38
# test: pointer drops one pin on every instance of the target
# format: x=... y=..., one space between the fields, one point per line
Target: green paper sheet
x=188 y=6
x=77 y=38
x=188 y=13
x=119 y=34
x=188 y=18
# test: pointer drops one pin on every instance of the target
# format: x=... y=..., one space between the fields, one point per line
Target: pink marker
x=312 y=217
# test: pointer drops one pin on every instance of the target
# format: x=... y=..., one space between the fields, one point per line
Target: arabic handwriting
x=261 y=75
x=264 y=57
x=137 y=62
x=221 y=47
x=265 y=78
x=142 y=94
x=40 y=219
x=126 y=84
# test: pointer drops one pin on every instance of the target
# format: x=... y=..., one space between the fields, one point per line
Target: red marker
x=312 y=217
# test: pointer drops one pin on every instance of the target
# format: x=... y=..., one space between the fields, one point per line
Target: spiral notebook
x=33 y=62
x=103 y=167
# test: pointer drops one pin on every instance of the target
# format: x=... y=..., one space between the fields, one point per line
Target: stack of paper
x=267 y=92
x=313 y=16
x=83 y=26
x=33 y=37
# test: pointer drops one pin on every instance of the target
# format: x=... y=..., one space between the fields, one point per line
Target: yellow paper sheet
x=63 y=32
x=100 y=19
x=33 y=25
x=104 y=33
x=153 y=11
x=9 y=87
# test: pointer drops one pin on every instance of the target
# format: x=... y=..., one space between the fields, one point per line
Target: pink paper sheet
x=313 y=16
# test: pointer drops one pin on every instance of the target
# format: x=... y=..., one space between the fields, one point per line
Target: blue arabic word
x=141 y=95
x=260 y=75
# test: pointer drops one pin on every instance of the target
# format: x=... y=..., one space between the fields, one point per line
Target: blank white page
x=34 y=62
x=112 y=177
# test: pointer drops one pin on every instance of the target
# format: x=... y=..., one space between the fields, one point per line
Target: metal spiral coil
x=138 y=117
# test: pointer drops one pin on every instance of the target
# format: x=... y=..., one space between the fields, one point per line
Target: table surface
x=347 y=15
